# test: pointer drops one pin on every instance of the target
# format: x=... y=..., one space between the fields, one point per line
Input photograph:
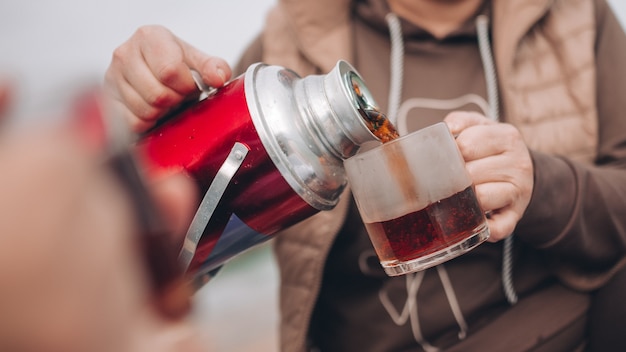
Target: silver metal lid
x=309 y=125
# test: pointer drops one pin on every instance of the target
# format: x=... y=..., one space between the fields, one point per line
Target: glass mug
x=417 y=200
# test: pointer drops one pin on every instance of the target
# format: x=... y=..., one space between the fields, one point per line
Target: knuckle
x=140 y=123
x=149 y=114
x=169 y=72
x=119 y=55
x=147 y=31
x=160 y=97
x=138 y=126
x=145 y=113
x=526 y=165
x=511 y=134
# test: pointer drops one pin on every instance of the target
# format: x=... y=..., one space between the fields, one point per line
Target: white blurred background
x=48 y=48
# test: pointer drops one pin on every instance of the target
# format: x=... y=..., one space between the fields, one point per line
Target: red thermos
x=267 y=151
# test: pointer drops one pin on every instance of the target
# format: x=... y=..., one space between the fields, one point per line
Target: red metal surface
x=199 y=139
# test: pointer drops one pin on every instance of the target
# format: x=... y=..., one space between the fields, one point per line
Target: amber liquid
x=417 y=234
x=439 y=225
x=380 y=126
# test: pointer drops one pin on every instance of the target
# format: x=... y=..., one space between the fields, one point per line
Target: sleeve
x=577 y=214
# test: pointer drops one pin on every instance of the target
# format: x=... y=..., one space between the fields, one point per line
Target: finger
x=494 y=168
x=502 y=201
x=161 y=79
x=480 y=141
x=171 y=60
x=458 y=121
x=135 y=124
x=501 y=224
x=141 y=111
x=151 y=89
x=214 y=71
x=494 y=195
x=138 y=108
x=165 y=59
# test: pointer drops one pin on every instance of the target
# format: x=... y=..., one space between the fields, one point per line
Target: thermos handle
x=209 y=202
x=206 y=91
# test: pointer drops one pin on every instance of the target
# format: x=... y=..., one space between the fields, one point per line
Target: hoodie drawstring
x=397 y=66
x=452 y=300
x=482 y=27
x=491 y=81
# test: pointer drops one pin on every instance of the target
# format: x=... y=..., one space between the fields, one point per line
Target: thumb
x=458 y=121
x=215 y=71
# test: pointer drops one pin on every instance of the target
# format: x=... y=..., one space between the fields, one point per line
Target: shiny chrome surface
x=308 y=126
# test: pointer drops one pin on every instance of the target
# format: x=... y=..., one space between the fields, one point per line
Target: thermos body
x=293 y=134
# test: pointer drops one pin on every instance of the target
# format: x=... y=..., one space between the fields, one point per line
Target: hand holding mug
x=417 y=200
x=500 y=166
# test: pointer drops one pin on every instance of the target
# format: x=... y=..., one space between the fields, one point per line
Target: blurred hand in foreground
x=71 y=267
